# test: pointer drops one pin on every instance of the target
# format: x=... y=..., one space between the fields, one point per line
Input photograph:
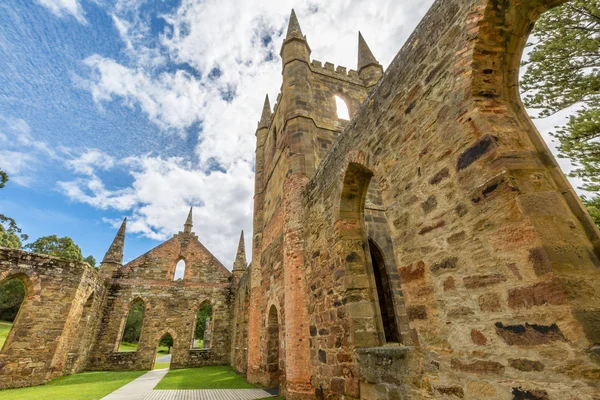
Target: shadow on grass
x=84 y=386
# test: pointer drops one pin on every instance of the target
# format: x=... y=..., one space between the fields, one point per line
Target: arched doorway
x=273 y=347
x=163 y=355
x=12 y=295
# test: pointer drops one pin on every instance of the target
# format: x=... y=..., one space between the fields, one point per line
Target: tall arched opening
x=203 y=326
x=366 y=261
x=179 y=273
x=133 y=327
x=12 y=295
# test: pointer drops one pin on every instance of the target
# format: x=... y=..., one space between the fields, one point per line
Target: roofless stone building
x=430 y=247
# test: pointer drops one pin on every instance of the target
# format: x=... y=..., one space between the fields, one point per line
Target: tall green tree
x=54 y=246
x=563 y=72
x=10 y=233
x=90 y=260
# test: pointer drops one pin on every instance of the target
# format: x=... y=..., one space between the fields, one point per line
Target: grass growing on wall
x=4 y=329
x=84 y=386
x=218 y=377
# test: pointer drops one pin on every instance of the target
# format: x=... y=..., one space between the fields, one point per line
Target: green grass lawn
x=4 y=329
x=125 y=347
x=84 y=386
x=219 y=377
x=161 y=365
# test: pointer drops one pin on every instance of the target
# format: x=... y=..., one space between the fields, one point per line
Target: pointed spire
x=115 y=251
x=265 y=118
x=365 y=56
x=187 y=227
x=240 y=258
x=295 y=46
x=293 y=27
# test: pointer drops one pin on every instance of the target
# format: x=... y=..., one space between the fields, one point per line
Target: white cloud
x=62 y=8
x=89 y=161
x=161 y=193
x=20 y=153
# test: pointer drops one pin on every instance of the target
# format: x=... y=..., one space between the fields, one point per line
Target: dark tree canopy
x=12 y=293
x=10 y=233
x=55 y=246
x=90 y=260
x=563 y=72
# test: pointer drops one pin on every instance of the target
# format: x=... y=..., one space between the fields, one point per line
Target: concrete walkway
x=206 y=394
x=139 y=388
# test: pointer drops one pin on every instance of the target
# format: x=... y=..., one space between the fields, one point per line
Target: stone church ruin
x=430 y=247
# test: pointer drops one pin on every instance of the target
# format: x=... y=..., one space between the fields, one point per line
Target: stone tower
x=292 y=140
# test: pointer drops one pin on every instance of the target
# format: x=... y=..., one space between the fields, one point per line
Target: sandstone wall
x=498 y=263
x=57 y=321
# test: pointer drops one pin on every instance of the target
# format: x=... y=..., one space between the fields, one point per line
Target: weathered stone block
x=529 y=334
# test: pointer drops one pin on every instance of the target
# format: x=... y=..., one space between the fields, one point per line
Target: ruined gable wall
x=45 y=329
x=496 y=269
x=170 y=306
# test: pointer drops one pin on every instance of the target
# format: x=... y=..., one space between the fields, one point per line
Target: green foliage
x=10 y=233
x=90 y=260
x=204 y=313
x=593 y=206
x=167 y=341
x=84 y=386
x=3 y=178
x=133 y=326
x=4 y=330
x=563 y=70
x=63 y=247
x=12 y=293
x=54 y=246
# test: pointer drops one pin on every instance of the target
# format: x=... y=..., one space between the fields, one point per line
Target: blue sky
x=143 y=108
